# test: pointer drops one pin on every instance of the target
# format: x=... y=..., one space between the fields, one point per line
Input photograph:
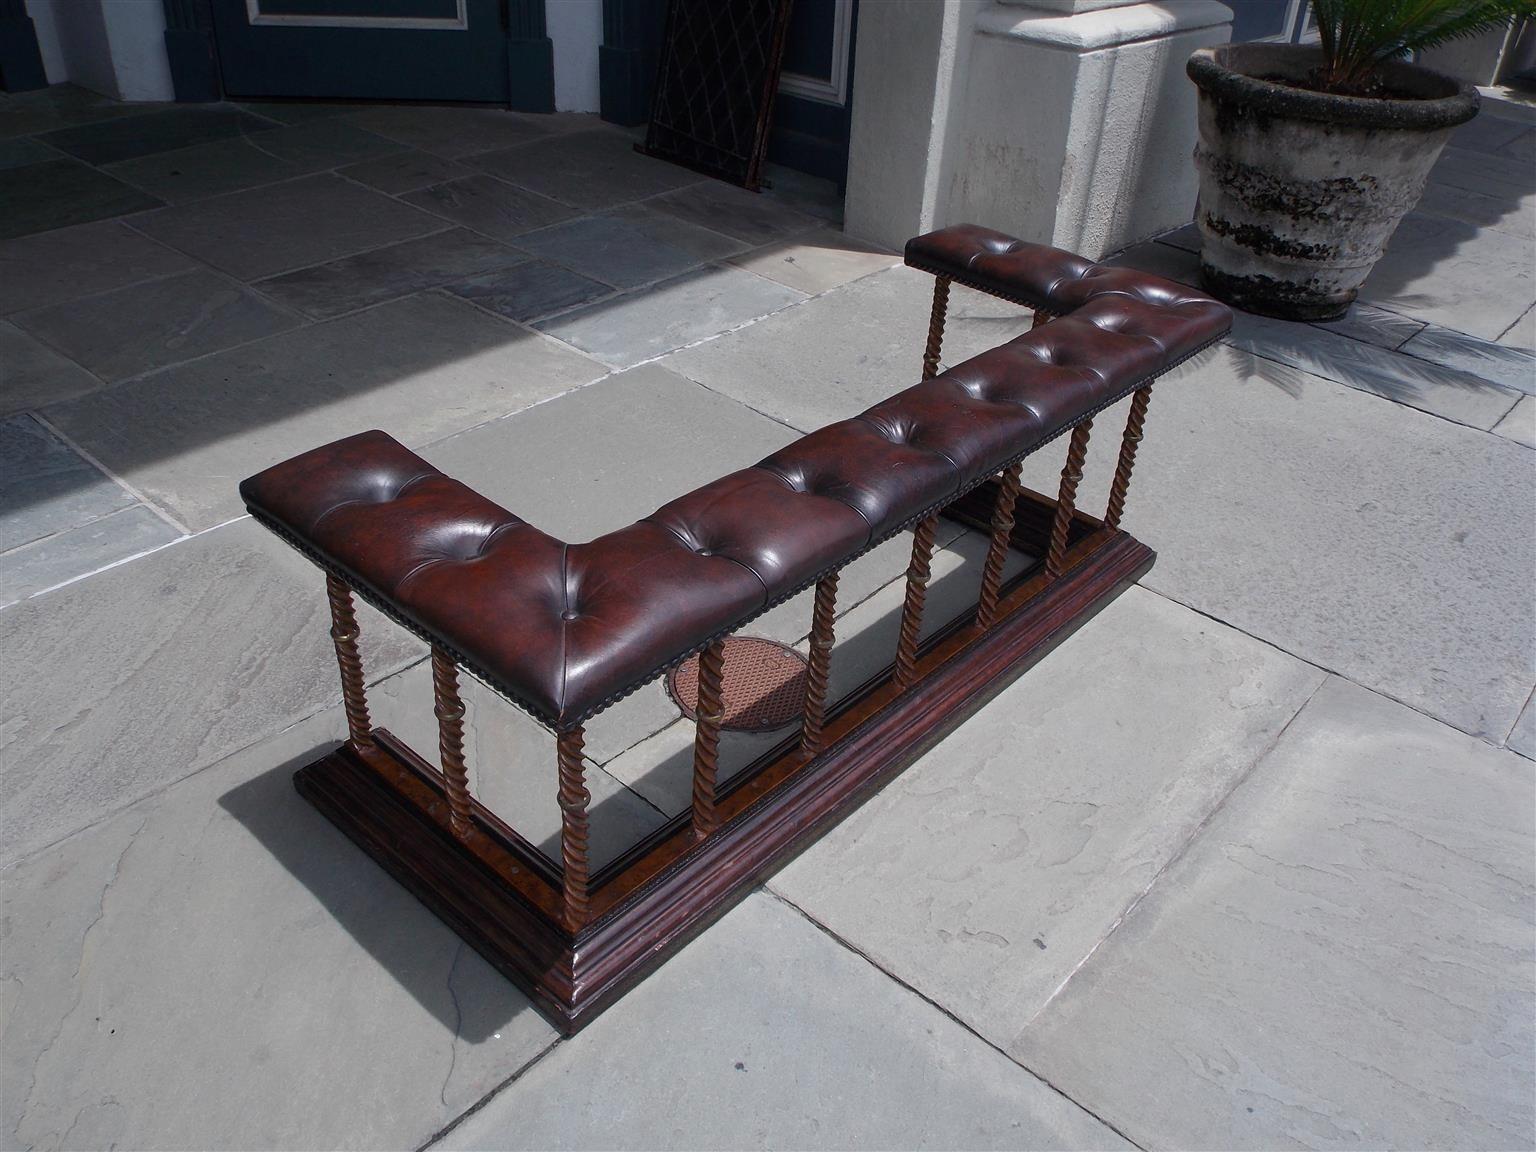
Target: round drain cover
x=763 y=684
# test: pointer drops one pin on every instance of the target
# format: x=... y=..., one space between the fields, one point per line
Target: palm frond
x=1358 y=36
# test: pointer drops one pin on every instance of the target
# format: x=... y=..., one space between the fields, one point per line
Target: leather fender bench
x=563 y=630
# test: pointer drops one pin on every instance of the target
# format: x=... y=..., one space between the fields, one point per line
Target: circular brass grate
x=763 y=684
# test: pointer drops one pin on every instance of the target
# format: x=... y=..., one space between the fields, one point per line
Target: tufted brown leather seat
x=565 y=629
x=1046 y=279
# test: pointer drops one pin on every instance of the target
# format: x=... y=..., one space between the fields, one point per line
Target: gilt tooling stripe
x=563 y=630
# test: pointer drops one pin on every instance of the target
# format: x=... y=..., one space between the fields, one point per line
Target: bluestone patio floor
x=1247 y=862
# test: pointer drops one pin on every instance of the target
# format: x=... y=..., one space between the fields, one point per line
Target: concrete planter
x=1300 y=190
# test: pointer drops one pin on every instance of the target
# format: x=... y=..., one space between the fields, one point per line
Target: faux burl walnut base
x=498 y=893
x=565 y=630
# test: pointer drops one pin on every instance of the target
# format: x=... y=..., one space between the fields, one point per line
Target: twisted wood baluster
x=1071 y=474
x=1128 y=445
x=936 y=327
x=820 y=665
x=706 y=738
x=917 y=594
x=574 y=799
x=448 y=707
x=997 y=551
x=344 y=634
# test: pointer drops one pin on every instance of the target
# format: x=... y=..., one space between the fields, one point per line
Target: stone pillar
x=115 y=47
x=911 y=56
x=1067 y=122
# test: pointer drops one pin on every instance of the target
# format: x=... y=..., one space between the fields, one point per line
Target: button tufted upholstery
x=565 y=629
x=1043 y=278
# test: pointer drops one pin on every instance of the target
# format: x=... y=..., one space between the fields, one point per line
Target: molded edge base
x=573 y=977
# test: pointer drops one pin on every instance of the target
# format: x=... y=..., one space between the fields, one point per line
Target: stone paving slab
x=1379 y=542
x=530 y=290
x=325 y=143
x=46 y=486
x=406 y=171
x=1372 y=325
x=1522 y=738
x=23 y=150
x=597 y=459
x=354 y=282
x=146 y=326
x=130 y=136
x=450 y=132
x=419 y=368
x=264 y=231
x=1512 y=367
x=764 y=1033
x=816 y=262
x=1452 y=273
x=1499 y=213
x=587 y=170
x=75 y=552
x=219 y=967
x=204 y=170
x=295 y=111
x=72 y=262
x=1447 y=391
x=610 y=249
x=703 y=244
x=1522 y=333
x=1520 y=424
x=32 y=374
x=987 y=872
x=60 y=193
x=840 y=352
x=57 y=106
x=1342 y=959
x=490 y=206
x=749 y=216
x=121 y=684
x=641 y=326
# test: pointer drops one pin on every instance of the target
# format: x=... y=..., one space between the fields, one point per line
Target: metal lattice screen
x=716 y=83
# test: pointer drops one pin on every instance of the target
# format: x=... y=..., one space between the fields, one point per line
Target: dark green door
x=486 y=51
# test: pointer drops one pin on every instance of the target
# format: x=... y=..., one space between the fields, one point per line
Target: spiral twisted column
x=448 y=707
x=1066 y=499
x=936 y=327
x=574 y=799
x=1128 y=446
x=820 y=665
x=344 y=633
x=918 y=573
x=997 y=550
x=706 y=738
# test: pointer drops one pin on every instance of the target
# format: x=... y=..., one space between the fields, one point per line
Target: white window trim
x=254 y=14
x=833 y=90
x=1287 y=34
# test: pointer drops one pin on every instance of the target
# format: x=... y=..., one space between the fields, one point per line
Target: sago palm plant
x=1358 y=36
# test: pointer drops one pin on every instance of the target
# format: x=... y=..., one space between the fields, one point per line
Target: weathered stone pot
x=1300 y=190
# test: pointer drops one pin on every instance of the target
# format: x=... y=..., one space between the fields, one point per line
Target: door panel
x=811 y=115
x=368 y=49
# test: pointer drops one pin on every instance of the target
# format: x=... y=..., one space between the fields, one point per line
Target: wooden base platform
x=504 y=897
